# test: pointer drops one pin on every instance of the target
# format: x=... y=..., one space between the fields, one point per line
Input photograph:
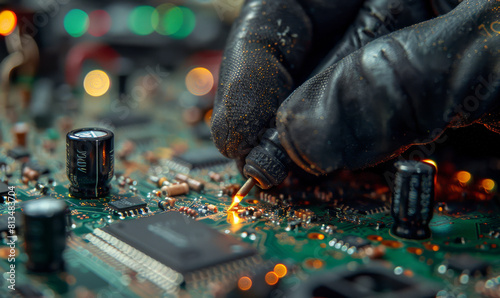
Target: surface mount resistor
x=175 y=189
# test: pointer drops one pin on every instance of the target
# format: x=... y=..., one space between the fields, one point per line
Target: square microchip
x=128 y=204
x=179 y=242
x=202 y=158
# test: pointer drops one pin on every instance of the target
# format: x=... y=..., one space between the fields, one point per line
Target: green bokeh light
x=188 y=23
x=141 y=20
x=76 y=22
x=173 y=20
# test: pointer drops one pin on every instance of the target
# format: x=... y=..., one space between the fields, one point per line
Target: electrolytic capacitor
x=413 y=199
x=90 y=162
x=45 y=222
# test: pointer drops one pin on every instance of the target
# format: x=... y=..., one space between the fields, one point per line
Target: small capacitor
x=413 y=199
x=20 y=133
x=90 y=162
x=175 y=189
x=45 y=222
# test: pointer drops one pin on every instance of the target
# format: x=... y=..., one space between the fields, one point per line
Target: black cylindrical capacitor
x=413 y=199
x=45 y=223
x=89 y=161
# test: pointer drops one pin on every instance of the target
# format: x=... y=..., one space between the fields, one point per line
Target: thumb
x=396 y=91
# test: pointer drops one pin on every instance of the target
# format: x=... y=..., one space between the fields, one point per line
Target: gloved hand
x=375 y=93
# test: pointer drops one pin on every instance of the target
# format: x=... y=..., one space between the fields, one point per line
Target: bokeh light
x=199 y=81
x=463 y=177
x=8 y=21
x=177 y=22
x=76 y=22
x=244 y=283
x=96 y=83
x=271 y=278
x=99 y=23
x=280 y=270
x=488 y=184
x=141 y=20
x=188 y=23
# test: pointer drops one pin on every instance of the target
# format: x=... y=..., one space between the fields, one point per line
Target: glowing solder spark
x=232 y=216
x=235 y=203
x=431 y=162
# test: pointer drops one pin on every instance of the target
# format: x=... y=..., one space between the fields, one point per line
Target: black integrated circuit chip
x=179 y=242
x=127 y=204
x=361 y=205
x=202 y=158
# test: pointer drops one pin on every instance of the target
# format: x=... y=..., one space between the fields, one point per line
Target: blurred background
x=117 y=64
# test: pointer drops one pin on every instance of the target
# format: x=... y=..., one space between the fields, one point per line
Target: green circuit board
x=326 y=234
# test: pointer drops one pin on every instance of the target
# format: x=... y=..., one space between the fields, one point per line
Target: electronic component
x=174 y=242
x=469 y=264
x=4 y=191
x=175 y=189
x=18 y=153
x=133 y=204
x=215 y=176
x=89 y=161
x=201 y=158
x=192 y=183
x=167 y=203
x=413 y=199
x=32 y=170
x=20 y=133
x=45 y=223
x=360 y=205
x=369 y=281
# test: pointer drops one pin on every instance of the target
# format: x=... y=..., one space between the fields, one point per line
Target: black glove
x=375 y=102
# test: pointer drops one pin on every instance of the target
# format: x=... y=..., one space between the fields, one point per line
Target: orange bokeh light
x=271 y=278
x=244 y=283
x=280 y=270
x=199 y=81
x=463 y=177
x=8 y=22
x=488 y=184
